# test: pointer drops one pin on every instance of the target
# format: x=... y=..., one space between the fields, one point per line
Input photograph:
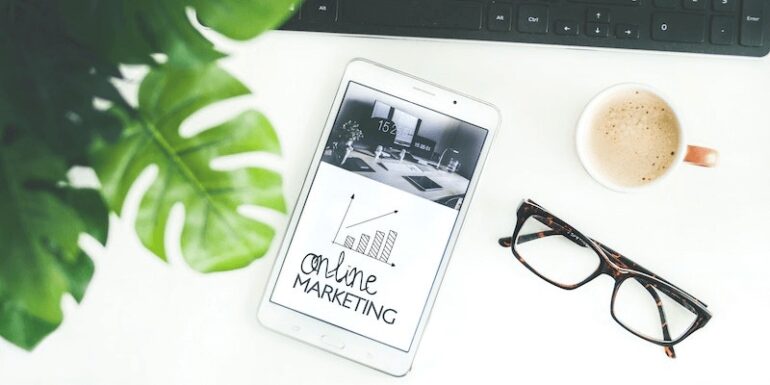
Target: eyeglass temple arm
x=506 y=241
x=542 y=234
x=558 y=230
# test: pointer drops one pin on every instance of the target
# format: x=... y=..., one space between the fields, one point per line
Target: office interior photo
x=404 y=145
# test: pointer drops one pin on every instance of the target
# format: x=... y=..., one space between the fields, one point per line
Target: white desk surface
x=707 y=230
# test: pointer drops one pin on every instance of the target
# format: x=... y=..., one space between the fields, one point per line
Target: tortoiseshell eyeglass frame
x=613 y=264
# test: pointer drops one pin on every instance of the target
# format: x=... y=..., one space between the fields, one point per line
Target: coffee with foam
x=634 y=138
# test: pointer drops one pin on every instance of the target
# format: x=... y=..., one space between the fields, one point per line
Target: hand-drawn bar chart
x=381 y=246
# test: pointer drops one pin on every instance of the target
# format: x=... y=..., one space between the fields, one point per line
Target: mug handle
x=701 y=156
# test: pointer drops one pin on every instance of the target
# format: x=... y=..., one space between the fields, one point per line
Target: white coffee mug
x=700 y=156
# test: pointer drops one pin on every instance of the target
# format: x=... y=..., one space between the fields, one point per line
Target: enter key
x=752 y=18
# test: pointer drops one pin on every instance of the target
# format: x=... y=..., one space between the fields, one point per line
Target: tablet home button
x=333 y=342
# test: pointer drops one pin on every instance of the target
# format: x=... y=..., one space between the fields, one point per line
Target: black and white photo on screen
x=404 y=145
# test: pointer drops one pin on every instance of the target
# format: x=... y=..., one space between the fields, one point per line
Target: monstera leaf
x=59 y=108
x=214 y=237
x=127 y=30
x=41 y=219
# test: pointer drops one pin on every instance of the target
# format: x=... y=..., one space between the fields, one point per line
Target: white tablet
x=378 y=215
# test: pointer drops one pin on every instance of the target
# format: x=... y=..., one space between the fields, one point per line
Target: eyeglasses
x=643 y=303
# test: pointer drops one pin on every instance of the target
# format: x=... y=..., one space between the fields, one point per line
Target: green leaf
x=214 y=236
x=237 y=20
x=41 y=220
x=55 y=58
x=128 y=31
x=47 y=83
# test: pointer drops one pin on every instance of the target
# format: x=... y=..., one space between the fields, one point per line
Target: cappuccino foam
x=634 y=138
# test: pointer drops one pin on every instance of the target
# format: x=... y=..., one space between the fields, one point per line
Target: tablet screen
x=371 y=236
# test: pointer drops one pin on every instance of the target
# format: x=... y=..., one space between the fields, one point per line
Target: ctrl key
x=533 y=18
x=752 y=18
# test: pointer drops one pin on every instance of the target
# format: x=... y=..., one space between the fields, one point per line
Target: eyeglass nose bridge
x=612 y=267
x=612 y=264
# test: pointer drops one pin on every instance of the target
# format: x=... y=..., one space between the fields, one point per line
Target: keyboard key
x=458 y=15
x=751 y=22
x=666 y=3
x=723 y=30
x=724 y=5
x=678 y=27
x=462 y=15
x=567 y=28
x=597 y=29
x=598 y=15
x=533 y=18
x=694 y=4
x=500 y=17
x=610 y=2
x=320 y=11
x=627 y=31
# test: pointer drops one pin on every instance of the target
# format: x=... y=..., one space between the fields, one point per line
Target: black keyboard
x=723 y=27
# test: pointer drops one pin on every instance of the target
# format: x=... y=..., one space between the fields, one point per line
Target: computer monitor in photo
x=423 y=147
x=406 y=128
x=399 y=128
